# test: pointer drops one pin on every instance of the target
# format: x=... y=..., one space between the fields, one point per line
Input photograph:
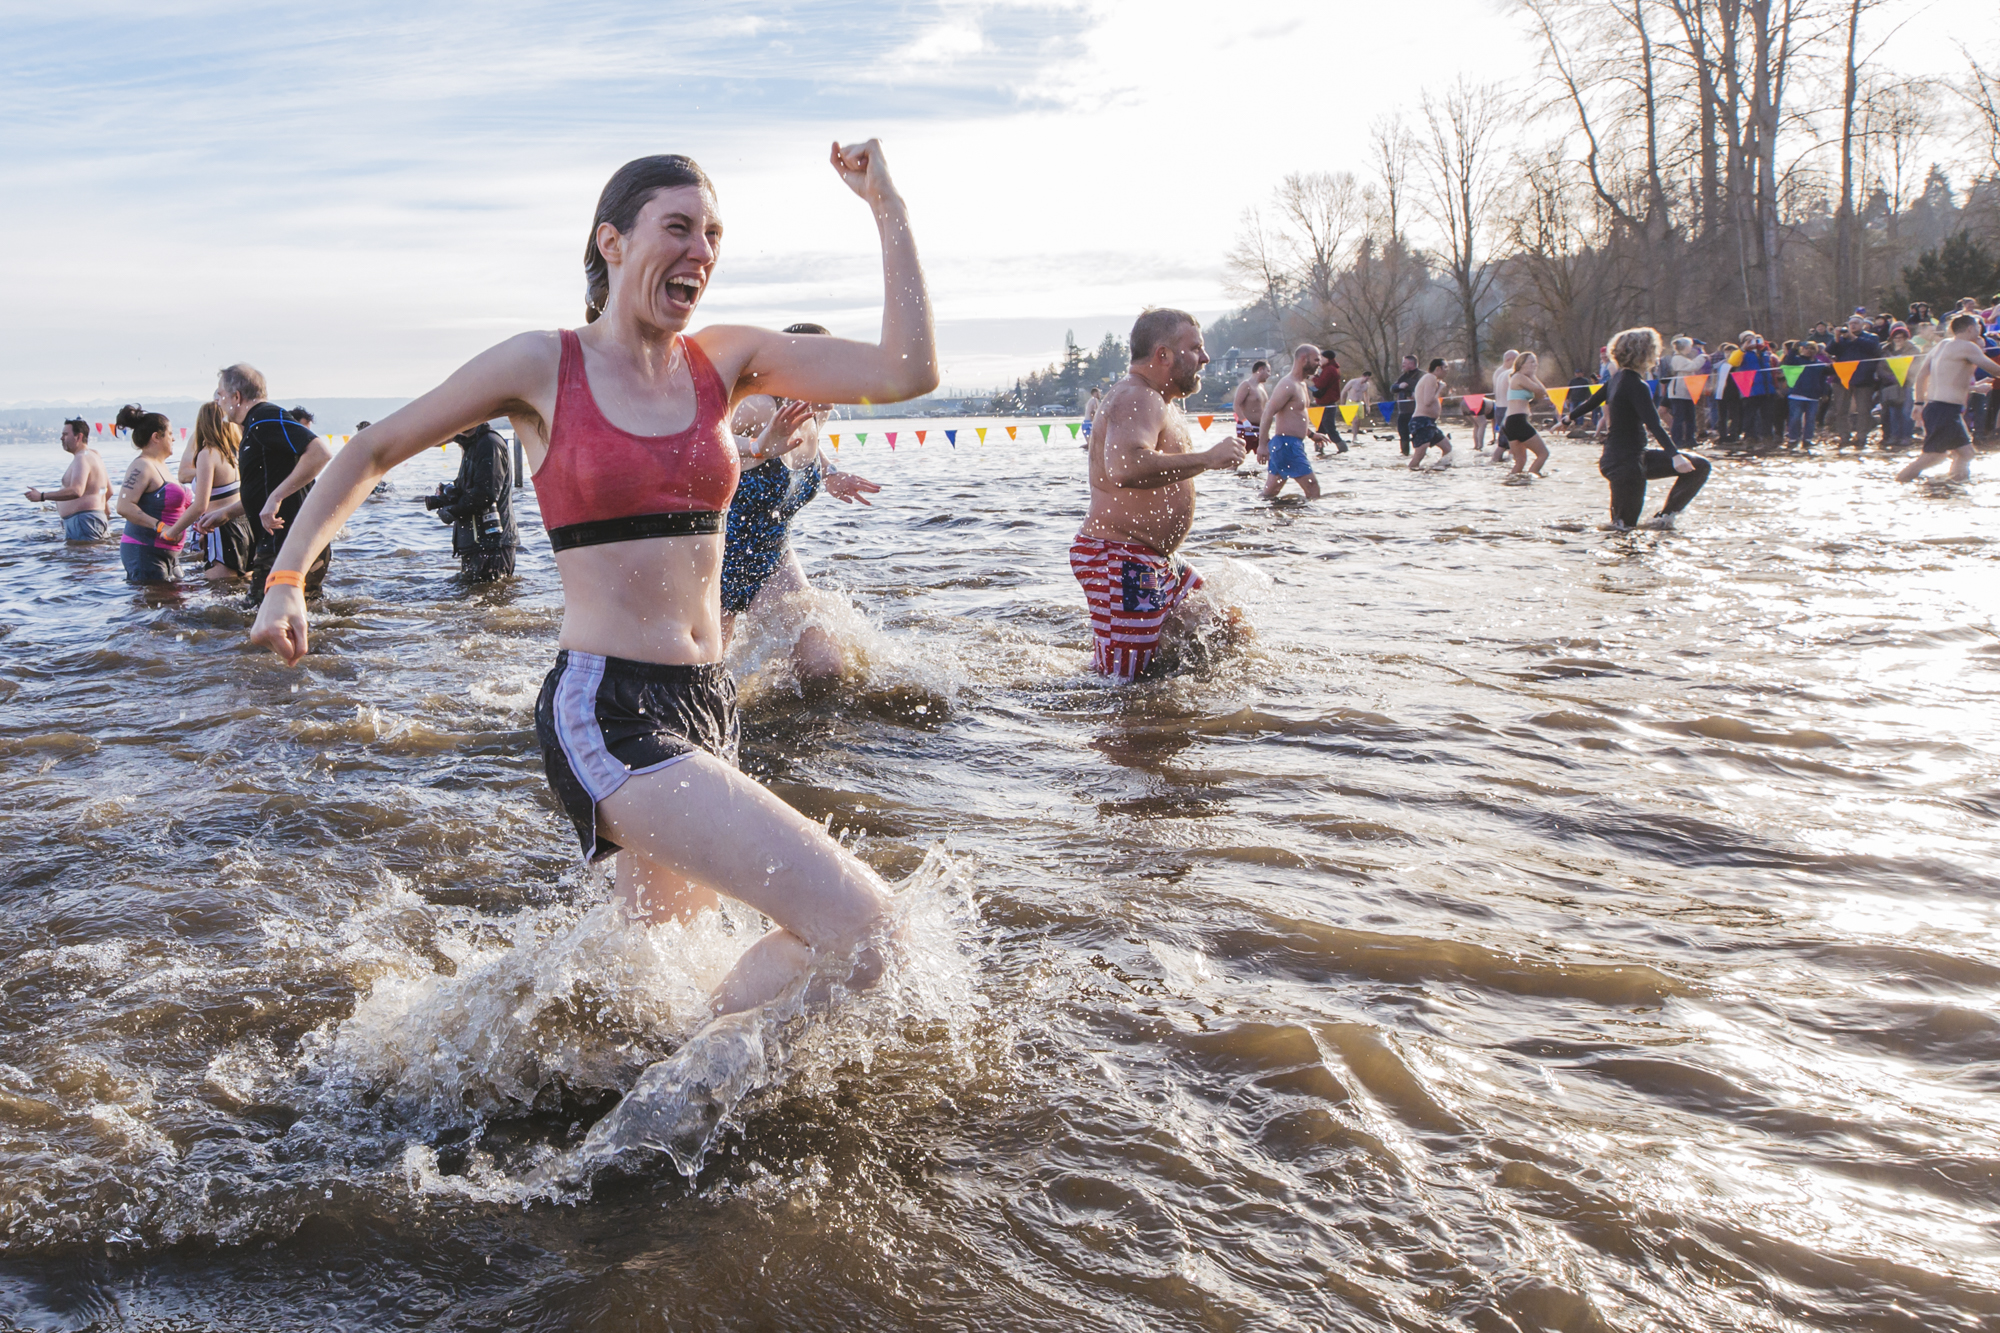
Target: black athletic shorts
x=149 y=564
x=1424 y=431
x=1519 y=428
x=603 y=719
x=1944 y=428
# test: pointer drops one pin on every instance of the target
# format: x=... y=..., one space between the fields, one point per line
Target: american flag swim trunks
x=1131 y=589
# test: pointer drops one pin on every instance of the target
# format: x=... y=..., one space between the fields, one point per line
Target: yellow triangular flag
x=1349 y=411
x=1901 y=365
x=1315 y=415
x=1558 y=394
x=982 y=433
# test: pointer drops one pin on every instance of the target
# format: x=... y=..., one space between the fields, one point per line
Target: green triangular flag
x=1045 y=435
x=860 y=437
x=1792 y=374
x=1074 y=427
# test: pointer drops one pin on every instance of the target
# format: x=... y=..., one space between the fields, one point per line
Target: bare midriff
x=653 y=600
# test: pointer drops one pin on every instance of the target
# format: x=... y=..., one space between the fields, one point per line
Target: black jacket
x=485 y=481
x=1866 y=349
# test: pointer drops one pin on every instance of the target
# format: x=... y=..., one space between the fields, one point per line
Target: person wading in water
x=626 y=427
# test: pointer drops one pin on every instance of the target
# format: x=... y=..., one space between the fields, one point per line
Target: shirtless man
x=1944 y=381
x=1142 y=471
x=1090 y=411
x=86 y=487
x=1286 y=427
x=1249 y=407
x=1424 y=430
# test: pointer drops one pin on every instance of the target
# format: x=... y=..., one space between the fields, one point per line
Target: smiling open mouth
x=683 y=291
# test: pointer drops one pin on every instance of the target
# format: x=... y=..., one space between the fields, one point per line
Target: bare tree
x=1458 y=149
x=1394 y=152
x=1257 y=265
x=1982 y=90
x=1322 y=212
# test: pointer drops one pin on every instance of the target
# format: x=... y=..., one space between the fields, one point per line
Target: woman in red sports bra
x=625 y=423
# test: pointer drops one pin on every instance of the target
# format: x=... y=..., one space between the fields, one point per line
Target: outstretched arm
x=500 y=381
x=820 y=369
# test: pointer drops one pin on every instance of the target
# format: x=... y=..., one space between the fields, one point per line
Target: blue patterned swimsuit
x=760 y=516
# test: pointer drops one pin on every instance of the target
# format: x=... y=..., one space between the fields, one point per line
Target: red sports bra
x=600 y=484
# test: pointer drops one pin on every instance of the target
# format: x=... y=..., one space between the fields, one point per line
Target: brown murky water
x=1540 y=929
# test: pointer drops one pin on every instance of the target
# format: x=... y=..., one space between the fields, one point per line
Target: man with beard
x=1142 y=471
x=1287 y=427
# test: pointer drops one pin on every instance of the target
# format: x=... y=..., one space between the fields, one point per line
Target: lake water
x=1536 y=929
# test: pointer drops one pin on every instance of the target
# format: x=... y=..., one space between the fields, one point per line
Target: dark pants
x=486 y=566
x=1628 y=483
x=1683 y=427
x=1404 y=412
x=1991 y=413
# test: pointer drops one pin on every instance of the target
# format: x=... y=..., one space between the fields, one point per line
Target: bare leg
x=1961 y=464
x=702 y=821
x=1520 y=452
x=1273 y=483
x=1541 y=452
x=1310 y=485
x=1417 y=456
x=652 y=893
x=1915 y=467
x=787 y=597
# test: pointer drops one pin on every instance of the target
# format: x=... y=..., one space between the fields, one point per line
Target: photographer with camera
x=479 y=506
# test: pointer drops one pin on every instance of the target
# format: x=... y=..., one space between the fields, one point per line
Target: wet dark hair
x=79 y=426
x=144 y=425
x=624 y=195
x=819 y=329
x=128 y=417
x=300 y=415
x=1437 y=362
x=1152 y=327
x=1256 y=366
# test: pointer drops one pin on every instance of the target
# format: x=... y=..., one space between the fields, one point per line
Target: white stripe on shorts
x=576 y=726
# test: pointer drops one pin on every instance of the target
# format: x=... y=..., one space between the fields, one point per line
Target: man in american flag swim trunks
x=1142 y=471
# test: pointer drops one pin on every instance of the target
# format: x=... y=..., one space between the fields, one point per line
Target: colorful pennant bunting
x=1901 y=366
x=1559 y=394
x=892 y=440
x=1045 y=434
x=1845 y=369
x=1744 y=379
x=1695 y=385
x=920 y=438
x=1387 y=407
x=951 y=438
x=1349 y=411
x=1475 y=403
x=1074 y=427
x=836 y=442
x=1791 y=374
x=982 y=434
x=1206 y=419
x=860 y=438
x=1011 y=431
x=1315 y=415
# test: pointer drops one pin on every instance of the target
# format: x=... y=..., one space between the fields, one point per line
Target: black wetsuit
x=272 y=446
x=485 y=482
x=1404 y=391
x=1627 y=463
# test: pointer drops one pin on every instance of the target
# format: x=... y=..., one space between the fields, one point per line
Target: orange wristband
x=285 y=578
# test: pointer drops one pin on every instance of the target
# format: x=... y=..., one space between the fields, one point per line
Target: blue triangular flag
x=951 y=437
x=1652 y=386
x=1387 y=407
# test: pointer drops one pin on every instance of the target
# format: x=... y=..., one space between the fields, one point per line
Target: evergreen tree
x=1959 y=267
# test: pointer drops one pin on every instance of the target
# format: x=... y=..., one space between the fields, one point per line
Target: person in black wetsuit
x=278 y=458
x=479 y=506
x=1404 y=391
x=1627 y=463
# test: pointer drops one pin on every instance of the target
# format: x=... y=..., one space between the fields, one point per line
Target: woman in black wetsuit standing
x=1627 y=463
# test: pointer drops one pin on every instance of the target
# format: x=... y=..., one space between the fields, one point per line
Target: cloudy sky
x=358 y=196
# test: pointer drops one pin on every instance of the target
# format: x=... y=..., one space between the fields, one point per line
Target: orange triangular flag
x=1557 y=394
x=1845 y=369
x=836 y=440
x=1695 y=383
x=1315 y=415
x=920 y=437
x=1011 y=430
x=1206 y=419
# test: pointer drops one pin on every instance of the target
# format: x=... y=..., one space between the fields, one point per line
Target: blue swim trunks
x=1288 y=457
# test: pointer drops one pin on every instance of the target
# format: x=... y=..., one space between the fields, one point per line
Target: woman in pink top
x=625 y=426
